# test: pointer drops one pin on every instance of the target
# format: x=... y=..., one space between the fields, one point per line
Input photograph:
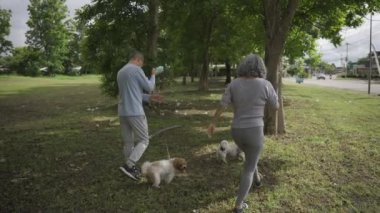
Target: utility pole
x=370 y=55
x=347 y=58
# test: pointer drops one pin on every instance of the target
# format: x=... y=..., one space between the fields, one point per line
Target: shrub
x=25 y=61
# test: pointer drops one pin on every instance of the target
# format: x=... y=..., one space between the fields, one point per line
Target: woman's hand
x=211 y=129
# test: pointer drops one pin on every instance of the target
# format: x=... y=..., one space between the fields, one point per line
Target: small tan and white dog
x=163 y=170
x=229 y=149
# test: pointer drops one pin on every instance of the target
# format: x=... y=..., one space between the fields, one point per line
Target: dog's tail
x=144 y=167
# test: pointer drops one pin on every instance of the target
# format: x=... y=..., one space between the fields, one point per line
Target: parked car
x=4 y=70
x=299 y=79
x=321 y=76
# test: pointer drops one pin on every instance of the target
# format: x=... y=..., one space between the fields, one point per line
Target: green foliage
x=299 y=44
x=193 y=33
x=236 y=33
x=189 y=31
x=48 y=32
x=190 y=26
x=72 y=57
x=313 y=59
x=113 y=29
x=325 y=19
x=297 y=68
x=326 y=68
x=183 y=33
x=303 y=74
x=25 y=61
x=209 y=31
x=5 y=17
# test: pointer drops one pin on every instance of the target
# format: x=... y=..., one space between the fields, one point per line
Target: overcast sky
x=20 y=17
x=358 y=42
x=358 y=38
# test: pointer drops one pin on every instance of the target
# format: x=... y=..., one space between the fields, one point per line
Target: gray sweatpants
x=251 y=141
x=134 y=131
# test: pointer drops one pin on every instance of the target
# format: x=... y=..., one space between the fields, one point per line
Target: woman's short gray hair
x=252 y=66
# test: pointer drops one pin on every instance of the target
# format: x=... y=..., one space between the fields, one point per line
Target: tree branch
x=289 y=14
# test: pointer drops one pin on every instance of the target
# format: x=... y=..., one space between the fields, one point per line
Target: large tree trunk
x=228 y=71
x=153 y=31
x=281 y=127
x=277 y=23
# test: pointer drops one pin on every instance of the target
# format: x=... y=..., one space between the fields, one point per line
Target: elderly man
x=132 y=84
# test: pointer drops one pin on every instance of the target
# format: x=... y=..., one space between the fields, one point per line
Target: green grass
x=11 y=84
x=61 y=147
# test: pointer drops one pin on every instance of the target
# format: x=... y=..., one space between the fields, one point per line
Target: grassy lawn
x=61 y=148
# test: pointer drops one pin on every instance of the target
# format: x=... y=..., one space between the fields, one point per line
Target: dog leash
x=161 y=131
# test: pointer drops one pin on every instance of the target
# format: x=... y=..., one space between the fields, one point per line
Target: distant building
x=362 y=70
x=339 y=69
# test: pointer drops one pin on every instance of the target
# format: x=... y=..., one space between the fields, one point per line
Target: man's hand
x=155 y=98
x=211 y=130
x=153 y=72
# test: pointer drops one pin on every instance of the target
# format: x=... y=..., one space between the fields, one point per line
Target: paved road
x=358 y=85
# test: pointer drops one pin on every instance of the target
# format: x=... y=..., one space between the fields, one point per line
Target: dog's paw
x=156 y=186
x=241 y=158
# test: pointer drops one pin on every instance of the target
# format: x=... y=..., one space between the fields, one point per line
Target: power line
x=370 y=19
x=353 y=43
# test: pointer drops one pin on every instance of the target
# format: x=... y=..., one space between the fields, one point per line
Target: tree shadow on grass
x=69 y=161
x=209 y=181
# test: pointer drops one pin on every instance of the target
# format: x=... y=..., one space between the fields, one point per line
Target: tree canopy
x=5 y=45
x=48 y=31
x=190 y=35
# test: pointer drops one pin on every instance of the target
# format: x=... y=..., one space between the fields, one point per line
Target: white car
x=321 y=76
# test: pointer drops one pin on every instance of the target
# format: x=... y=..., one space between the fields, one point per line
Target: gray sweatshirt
x=248 y=98
x=132 y=82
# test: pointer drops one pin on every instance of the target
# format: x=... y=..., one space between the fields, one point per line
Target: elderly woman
x=248 y=95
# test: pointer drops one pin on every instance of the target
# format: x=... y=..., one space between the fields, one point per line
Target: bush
x=25 y=61
x=292 y=71
x=303 y=74
x=4 y=65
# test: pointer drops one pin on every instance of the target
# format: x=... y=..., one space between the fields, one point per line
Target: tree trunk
x=184 y=79
x=228 y=71
x=153 y=31
x=192 y=75
x=203 y=78
x=277 y=23
x=281 y=128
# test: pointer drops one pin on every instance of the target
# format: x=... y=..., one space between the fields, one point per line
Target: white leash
x=161 y=131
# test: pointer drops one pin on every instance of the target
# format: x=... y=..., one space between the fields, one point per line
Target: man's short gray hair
x=252 y=66
x=136 y=54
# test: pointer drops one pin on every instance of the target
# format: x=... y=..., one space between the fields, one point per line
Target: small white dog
x=229 y=149
x=164 y=170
